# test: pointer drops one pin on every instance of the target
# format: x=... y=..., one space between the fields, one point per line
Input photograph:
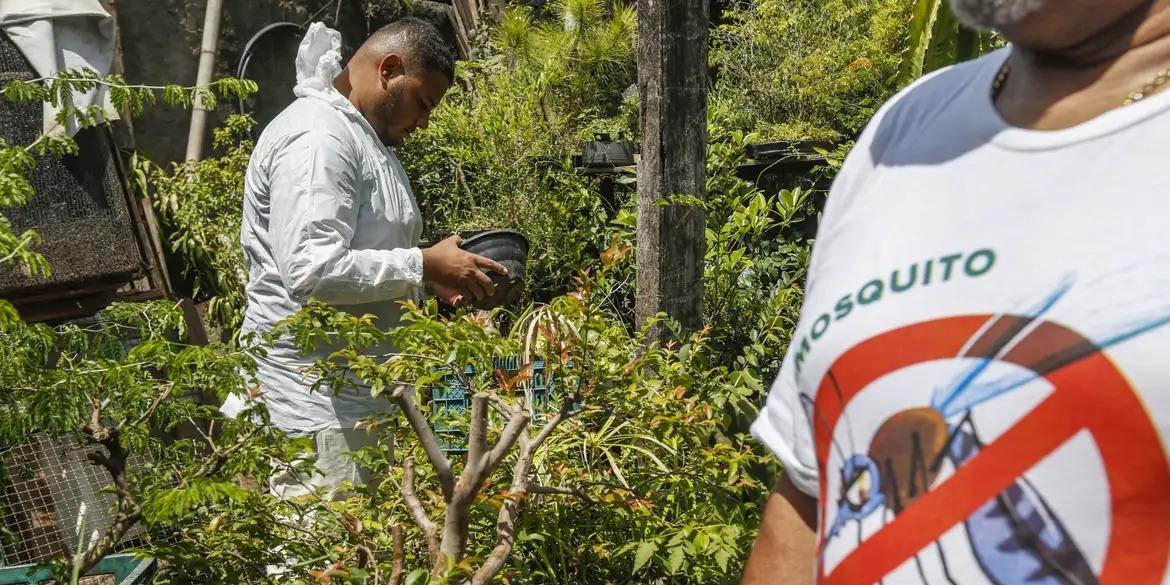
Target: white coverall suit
x=328 y=213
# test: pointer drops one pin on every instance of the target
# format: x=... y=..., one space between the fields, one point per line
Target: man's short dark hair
x=419 y=41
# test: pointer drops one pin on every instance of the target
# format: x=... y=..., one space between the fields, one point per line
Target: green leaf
x=921 y=26
x=675 y=562
x=722 y=558
x=417 y=577
x=643 y=554
x=942 y=49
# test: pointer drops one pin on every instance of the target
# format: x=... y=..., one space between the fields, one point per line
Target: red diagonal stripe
x=1039 y=433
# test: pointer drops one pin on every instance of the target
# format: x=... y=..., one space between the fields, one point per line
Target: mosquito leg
x=942 y=557
x=885 y=519
x=943 y=453
x=921 y=572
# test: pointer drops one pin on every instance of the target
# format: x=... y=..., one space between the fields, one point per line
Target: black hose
x=246 y=55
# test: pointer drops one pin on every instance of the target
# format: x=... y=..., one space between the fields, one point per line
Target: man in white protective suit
x=329 y=214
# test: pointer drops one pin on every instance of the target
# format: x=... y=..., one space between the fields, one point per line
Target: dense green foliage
x=498 y=148
x=202 y=205
x=806 y=69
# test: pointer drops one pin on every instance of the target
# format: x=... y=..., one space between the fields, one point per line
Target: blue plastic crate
x=124 y=568
x=452 y=397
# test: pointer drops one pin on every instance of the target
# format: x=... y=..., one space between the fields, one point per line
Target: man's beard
x=386 y=110
x=995 y=14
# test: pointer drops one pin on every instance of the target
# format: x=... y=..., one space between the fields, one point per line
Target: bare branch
x=499 y=405
x=515 y=429
x=455 y=525
x=477 y=435
x=416 y=509
x=506 y=519
x=95 y=421
x=127 y=512
x=398 y=560
x=565 y=412
x=404 y=396
x=560 y=491
x=519 y=490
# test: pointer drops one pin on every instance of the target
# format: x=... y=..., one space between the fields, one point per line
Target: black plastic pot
x=508 y=248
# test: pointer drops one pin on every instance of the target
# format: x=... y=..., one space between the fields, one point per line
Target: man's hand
x=447 y=266
x=444 y=293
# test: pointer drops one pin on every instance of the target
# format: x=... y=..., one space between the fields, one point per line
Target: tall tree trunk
x=672 y=80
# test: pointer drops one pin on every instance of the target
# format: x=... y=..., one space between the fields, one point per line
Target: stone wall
x=160 y=44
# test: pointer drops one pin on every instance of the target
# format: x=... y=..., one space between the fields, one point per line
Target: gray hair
x=419 y=43
x=994 y=14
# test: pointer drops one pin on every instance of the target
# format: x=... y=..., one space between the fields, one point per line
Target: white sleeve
x=314 y=186
x=783 y=424
x=784 y=429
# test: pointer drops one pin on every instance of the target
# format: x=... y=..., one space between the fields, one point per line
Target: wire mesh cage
x=52 y=490
x=53 y=497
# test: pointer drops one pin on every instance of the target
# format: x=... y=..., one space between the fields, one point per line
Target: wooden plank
x=461 y=39
x=473 y=10
x=672 y=81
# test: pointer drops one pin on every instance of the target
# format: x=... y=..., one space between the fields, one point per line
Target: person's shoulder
x=306 y=120
x=947 y=94
x=306 y=116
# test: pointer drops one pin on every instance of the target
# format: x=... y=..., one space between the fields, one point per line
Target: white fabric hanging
x=58 y=35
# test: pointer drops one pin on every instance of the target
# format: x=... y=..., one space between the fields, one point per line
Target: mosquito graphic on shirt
x=1016 y=537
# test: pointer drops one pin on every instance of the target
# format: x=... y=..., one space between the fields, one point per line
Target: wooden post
x=672 y=81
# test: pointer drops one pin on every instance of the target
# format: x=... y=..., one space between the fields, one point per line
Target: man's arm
x=785 y=550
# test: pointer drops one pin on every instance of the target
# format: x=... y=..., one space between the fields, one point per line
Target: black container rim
x=492 y=233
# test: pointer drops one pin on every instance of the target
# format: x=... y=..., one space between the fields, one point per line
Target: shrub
x=806 y=69
x=202 y=205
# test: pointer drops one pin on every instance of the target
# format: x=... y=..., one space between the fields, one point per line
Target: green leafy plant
x=202 y=205
x=937 y=40
x=497 y=152
x=806 y=69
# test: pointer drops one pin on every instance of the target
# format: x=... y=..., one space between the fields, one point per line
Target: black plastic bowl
x=508 y=248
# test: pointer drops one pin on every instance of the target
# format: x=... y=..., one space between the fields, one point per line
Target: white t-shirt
x=979 y=387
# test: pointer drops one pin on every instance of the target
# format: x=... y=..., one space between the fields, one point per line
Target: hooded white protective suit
x=328 y=213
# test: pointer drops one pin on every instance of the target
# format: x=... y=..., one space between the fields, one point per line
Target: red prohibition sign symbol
x=1089 y=393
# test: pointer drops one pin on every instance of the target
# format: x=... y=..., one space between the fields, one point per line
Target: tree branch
x=154 y=405
x=517 y=424
x=518 y=492
x=560 y=491
x=220 y=457
x=477 y=435
x=127 y=512
x=565 y=412
x=455 y=526
x=398 y=560
x=404 y=396
x=416 y=509
x=506 y=519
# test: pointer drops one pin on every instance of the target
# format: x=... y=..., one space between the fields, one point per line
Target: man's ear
x=391 y=66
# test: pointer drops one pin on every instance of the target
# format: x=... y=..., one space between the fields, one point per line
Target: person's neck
x=1061 y=88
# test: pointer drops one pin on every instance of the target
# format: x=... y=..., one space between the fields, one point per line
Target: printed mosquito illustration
x=1016 y=537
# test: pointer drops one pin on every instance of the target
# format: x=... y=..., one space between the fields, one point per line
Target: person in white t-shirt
x=329 y=214
x=978 y=390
